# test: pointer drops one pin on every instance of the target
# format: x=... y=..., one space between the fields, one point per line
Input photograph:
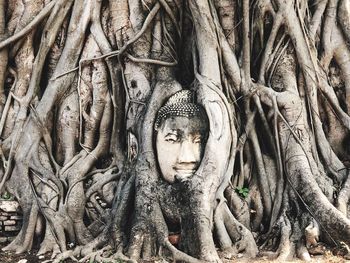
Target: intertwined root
x=78 y=77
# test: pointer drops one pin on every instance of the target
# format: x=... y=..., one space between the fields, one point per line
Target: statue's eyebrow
x=197 y=134
x=172 y=132
x=176 y=132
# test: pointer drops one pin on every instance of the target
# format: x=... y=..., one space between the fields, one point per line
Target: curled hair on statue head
x=181 y=104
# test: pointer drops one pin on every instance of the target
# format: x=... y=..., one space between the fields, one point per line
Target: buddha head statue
x=181 y=132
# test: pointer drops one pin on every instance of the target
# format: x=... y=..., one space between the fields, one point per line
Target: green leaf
x=6 y=196
x=242 y=191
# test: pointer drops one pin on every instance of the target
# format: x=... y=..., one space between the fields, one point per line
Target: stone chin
x=184 y=175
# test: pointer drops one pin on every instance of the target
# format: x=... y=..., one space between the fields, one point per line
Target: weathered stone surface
x=9 y=206
x=3 y=239
x=9 y=222
x=3 y=218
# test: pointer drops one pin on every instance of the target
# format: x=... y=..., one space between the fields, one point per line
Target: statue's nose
x=187 y=152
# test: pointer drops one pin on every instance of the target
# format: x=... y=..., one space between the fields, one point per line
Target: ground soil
x=316 y=259
x=9 y=257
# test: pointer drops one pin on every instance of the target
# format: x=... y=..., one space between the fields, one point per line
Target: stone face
x=3 y=218
x=9 y=206
x=3 y=239
x=182 y=130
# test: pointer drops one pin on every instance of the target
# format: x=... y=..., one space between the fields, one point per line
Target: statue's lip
x=185 y=171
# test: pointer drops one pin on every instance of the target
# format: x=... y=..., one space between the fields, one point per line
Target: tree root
x=179 y=255
x=49 y=244
x=98 y=185
x=232 y=235
x=44 y=12
x=132 y=48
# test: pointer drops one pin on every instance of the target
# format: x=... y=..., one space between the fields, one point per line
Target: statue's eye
x=197 y=139
x=171 y=138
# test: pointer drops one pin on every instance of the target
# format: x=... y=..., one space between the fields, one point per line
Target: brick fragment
x=9 y=206
x=9 y=222
x=12 y=228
